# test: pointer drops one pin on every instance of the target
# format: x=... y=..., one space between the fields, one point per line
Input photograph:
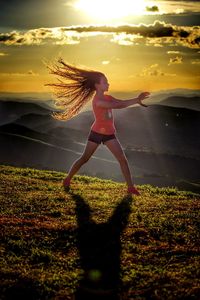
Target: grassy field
x=94 y=241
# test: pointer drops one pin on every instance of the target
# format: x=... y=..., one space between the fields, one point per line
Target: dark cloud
x=152 y=8
x=186 y=36
x=27 y=14
x=183 y=33
x=175 y=60
x=197 y=40
x=158 y=29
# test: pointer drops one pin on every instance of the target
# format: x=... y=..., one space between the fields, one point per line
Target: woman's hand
x=143 y=96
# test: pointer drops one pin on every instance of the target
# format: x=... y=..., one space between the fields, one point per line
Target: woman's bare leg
x=89 y=150
x=115 y=147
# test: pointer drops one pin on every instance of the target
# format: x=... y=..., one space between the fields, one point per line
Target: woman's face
x=103 y=85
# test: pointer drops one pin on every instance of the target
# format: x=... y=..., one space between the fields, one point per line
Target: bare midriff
x=104 y=121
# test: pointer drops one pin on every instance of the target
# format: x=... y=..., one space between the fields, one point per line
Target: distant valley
x=161 y=142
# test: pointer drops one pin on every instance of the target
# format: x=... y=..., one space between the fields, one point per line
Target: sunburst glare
x=112 y=9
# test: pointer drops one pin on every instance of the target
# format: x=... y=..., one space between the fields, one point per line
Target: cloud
x=196 y=62
x=28 y=14
x=176 y=6
x=154 y=71
x=30 y=72
x=3 y=54
x=179 y=11
x=125 y=39
x=153 y=8
x=173 y=52
x=157 y=45
x=175 y=60
x=157 y=29
x=39 y=36
x=105 y=62
x=158 y=33
x=160 y=6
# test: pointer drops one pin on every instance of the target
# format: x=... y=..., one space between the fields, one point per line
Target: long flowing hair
x=75 y=91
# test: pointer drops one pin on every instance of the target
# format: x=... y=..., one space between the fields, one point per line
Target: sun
x=110 y=9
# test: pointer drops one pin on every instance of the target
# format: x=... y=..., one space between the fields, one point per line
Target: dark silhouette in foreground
x=100 y=250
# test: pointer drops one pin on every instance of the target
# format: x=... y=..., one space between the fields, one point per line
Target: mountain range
x=161 y=141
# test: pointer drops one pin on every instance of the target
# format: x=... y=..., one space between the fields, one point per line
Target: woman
x=80 y=86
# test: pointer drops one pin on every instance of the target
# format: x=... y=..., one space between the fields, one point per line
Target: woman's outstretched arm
x=116 y=103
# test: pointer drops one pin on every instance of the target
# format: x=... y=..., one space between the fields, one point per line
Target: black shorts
x=99 y=138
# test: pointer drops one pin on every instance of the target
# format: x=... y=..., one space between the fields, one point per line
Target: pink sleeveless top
x=104 y=121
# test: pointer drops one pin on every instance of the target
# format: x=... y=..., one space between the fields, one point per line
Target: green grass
x=40 y=238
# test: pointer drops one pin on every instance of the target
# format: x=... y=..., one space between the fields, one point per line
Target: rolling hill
x=161 y=142
x=178 y=101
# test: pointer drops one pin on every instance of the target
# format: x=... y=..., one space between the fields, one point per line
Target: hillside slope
x=178 y=101
x=95 y=242
x=160 y=142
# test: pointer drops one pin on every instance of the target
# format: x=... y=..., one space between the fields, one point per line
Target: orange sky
x=150 y=46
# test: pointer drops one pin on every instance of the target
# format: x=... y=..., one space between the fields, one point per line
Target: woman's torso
x=104 y=120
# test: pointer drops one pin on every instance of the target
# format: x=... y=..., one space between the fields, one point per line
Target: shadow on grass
x=22 y=288
x=99 y=247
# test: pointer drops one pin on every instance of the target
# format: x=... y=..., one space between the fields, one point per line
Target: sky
x=139 y=45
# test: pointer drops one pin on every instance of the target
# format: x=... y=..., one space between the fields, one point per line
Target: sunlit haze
x=139 y=45
x=107 y=10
